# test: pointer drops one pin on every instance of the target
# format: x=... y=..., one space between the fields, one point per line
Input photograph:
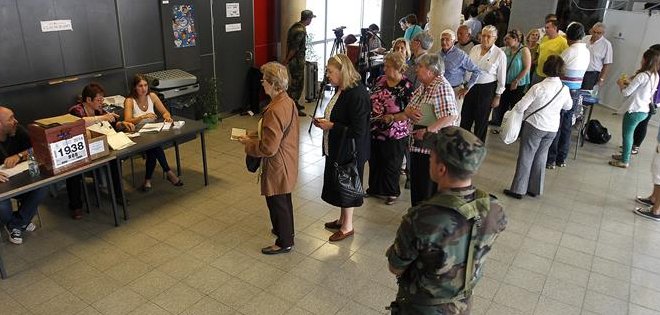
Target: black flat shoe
x=512 y=194
x=270 y=251
x=531 y=194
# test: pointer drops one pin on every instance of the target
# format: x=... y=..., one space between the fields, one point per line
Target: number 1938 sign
x=68 y=151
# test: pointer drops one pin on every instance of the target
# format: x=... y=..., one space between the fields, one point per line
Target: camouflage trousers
x=461 y=307
x=296 y=69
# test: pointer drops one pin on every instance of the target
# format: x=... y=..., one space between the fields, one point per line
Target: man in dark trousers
x=295 y=57
x=14 y=145
x=442 y=243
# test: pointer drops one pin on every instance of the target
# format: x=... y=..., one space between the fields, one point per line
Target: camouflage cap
x=306 y=14
x=457 y=147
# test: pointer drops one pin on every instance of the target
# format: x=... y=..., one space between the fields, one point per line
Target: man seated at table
x=14 y=143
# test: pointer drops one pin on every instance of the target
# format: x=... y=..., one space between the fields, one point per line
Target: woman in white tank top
x=141 y=106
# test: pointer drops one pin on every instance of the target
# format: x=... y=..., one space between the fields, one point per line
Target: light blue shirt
x=457 y=63
x=411 y=32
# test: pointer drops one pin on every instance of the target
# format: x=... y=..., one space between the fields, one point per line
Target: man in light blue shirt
x=457 y=64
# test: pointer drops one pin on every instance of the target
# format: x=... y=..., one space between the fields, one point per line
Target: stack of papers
x=119 y=141
x=151 y=127
x=103 y=128
x=19 y=168
x=178 y=124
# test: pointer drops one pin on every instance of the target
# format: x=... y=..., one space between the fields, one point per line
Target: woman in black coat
x=346 y=115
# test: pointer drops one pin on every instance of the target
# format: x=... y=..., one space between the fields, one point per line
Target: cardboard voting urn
x=59 y=143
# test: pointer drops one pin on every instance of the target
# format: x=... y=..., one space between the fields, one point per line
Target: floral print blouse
x=386 y=100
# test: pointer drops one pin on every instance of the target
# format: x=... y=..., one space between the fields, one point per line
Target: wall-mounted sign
x=233 y=9
x=56 y=26
x=183 y=26
x=235 y=27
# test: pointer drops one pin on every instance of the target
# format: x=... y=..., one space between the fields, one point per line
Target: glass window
x=354 y=14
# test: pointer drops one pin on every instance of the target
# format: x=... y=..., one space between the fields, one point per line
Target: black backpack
x=596 y=133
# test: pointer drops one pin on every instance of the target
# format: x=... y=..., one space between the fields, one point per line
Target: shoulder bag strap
x=546 y=105
x=509 y=62
x=293 y=113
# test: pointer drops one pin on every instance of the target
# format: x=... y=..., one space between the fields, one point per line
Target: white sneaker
x=30 y=227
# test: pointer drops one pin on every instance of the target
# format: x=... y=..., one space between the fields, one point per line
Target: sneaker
x=562 y=164
x=16 y=236
x=30 y=227
x=646 y=213
x=618 y=164
x=550 y=166
x=617 y=157
x=634 y=150
x=645 y=201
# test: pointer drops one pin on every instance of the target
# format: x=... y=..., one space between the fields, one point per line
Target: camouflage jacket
x=432 y=246
x=297 y=40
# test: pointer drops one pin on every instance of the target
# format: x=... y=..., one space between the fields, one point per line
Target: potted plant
x=210 y=102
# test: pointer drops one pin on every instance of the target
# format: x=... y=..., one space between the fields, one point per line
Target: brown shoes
x=333 y=225
x=77 y=214
x=339 y=235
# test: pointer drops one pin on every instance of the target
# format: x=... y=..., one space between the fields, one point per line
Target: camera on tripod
x=339 y=32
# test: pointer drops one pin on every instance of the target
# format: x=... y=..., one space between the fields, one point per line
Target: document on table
x=103 y=128
x=151 y=127
x=237 y=133
x=119 y=141
x=19 y=168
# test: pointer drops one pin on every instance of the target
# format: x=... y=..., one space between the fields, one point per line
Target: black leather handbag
x=346 y=178
x=252 y=163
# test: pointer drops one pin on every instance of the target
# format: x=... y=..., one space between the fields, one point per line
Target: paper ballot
x=119 y=141
x=103 y=127
x=237 y=132
x=151 y=127
x=19 y=168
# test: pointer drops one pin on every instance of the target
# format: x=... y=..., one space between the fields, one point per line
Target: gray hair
x=469 y=30
x=424 y=39
x=451 y=34
x=599 y=25
x=433 y=62
x=489 y=29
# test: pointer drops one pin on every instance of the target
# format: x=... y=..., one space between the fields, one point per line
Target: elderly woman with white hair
x=277 y=145
x=486 y=93
x=431 y=108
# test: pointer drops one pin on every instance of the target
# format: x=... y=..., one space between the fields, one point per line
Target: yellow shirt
x=547 y=48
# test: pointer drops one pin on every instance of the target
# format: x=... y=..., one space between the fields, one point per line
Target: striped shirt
x=577 y=58
x=435 y=100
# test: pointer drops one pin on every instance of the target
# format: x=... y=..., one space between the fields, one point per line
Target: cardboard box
x=59 y=143
x=98 y=144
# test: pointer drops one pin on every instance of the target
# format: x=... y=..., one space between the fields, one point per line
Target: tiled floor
x=195 y=250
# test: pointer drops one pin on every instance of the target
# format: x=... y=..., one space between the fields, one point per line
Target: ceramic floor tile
x=603 y=304
x=122 y=301
x=177 y=298
x=609 y=286
x=563 y=292
x=517 y=298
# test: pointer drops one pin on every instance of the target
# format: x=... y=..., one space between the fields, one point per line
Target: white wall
x=631 y=33
x=528 y=14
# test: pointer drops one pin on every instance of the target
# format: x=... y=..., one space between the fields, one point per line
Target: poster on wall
x=183 y=26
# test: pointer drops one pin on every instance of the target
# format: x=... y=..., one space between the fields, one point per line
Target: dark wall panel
x=44 y=51
x=140 y=32
x=13 y=57
x=203 y=23
x=93 y=45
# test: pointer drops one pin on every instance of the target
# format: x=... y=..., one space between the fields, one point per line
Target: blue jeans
x=28 y=208
x=562 y=143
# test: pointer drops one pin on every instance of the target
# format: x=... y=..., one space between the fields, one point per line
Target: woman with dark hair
x=518 y=63
x=412 y=27
x=640 y=130
x=540 y=108
x=141 y=106
x=346 y=119
x=638 y=93
x=90 y=109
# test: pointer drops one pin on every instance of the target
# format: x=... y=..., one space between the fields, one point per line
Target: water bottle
x=33 y=166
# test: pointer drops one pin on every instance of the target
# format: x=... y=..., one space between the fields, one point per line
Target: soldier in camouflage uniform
x=295 y=58
x=441 y=244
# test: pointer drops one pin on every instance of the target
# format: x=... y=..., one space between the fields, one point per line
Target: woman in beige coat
x=277 y=145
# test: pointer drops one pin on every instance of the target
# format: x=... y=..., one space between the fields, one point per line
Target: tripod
x=338 y=47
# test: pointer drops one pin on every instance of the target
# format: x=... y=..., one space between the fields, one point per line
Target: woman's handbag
x=346 y=178
x=512 y=122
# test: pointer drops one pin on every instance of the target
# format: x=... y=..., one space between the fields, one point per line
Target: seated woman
x=141 y=106
x=90 y=109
